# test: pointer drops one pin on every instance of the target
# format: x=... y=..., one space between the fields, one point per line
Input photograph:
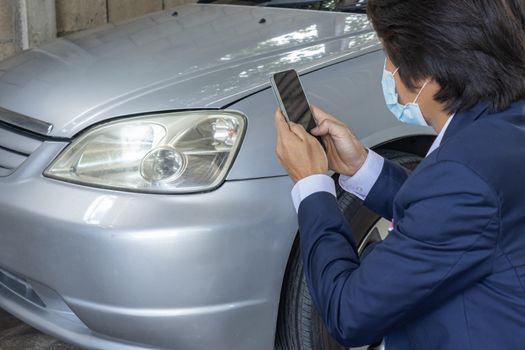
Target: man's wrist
x=352 y=170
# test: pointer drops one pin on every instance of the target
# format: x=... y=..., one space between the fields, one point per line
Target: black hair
x=474 y=49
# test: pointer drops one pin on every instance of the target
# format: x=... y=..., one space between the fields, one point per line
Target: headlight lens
x=169 y=153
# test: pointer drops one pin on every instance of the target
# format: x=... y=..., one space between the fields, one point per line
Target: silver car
x=141 y=202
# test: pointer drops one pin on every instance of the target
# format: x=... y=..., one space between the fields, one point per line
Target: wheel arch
x=415 y=144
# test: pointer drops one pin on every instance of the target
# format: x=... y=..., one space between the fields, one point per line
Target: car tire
x=299 y=326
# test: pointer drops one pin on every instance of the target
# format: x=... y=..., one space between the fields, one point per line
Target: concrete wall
x=29 y=23
x=25 y=24
x=7 y=29
x=75 y=15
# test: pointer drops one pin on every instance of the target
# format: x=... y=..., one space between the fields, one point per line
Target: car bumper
x=113 y=270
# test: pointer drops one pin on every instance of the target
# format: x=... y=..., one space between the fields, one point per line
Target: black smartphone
x=292 y=99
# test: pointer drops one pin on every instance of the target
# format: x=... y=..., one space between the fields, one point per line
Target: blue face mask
x=409 y=113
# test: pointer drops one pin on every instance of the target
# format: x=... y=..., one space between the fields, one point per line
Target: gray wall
x=29 y=23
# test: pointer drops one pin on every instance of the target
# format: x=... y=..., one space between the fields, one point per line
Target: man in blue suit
x=451 y=274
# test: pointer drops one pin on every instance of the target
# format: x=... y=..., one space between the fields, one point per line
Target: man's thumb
x=322 y=128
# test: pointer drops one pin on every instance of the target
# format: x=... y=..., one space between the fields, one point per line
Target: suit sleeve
x=442 y=244
x=380 y=199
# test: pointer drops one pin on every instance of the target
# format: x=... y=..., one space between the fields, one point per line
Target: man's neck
x=439 y=122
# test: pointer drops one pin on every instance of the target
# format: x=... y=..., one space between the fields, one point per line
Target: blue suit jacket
x=451 y=274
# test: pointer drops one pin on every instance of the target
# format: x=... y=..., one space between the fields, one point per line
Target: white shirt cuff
x=310 y=185
x=365 y=178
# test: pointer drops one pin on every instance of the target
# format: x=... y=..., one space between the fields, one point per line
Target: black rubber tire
x=299 y=326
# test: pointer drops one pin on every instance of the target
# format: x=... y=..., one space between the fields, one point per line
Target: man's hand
x=346 y=154
x=298 y=152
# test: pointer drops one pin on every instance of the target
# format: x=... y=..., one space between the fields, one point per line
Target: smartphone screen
x=292 y=99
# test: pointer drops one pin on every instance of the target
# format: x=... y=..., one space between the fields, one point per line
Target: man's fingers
x=280 y=123
x=298 y=130
x=330 y=127
x=283 y=129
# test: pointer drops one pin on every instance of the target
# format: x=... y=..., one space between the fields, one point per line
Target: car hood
x=202 y=56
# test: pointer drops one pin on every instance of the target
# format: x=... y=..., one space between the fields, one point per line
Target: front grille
x=15 y=148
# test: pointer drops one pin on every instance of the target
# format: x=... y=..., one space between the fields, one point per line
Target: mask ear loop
x=395 y=72
x=420 y=91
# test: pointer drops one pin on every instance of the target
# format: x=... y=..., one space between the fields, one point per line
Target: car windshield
x=356 y=6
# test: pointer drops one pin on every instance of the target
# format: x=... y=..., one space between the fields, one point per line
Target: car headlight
x=166 y=153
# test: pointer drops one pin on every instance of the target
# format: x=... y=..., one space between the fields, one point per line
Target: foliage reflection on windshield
x=356 y=6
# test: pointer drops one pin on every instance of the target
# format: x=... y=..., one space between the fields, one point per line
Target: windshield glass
x=356 y=6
